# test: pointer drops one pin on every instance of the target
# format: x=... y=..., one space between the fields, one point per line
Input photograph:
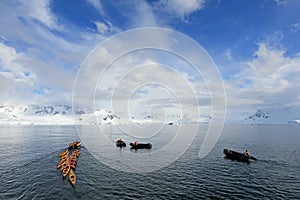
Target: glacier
x=275 y=115
x=64 y=115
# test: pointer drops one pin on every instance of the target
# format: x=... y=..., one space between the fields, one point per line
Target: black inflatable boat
x=233 y=155
x=141 y=146
x=120 y=143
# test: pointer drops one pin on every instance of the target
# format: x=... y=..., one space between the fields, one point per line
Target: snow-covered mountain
x=58 y=114
x=64 y=115
x=32 y=114
x=49 y=110
x=277 y=115
x=186 y=118
x=102 y=116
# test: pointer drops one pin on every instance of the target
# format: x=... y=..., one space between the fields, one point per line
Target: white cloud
x=101 y=27
x=228 y=54
x=145 y=78
x=181 y=8
x=280 y=2
x=11 y=66
x=106 y=28
x=20 y=28
x=269 y=69
x=97 y=5
x=16 y=79
x=295 y=27
x=39 y=65
x=27 y=80
x=268 y=79
x=39 y=10
x=142 y=15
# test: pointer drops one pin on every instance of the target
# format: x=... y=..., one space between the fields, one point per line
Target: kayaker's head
x=247 y=152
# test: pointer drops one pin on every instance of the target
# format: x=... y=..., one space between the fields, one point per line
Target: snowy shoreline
x=64 y=115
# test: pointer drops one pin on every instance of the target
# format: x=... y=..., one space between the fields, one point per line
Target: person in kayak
x=136 y=143
x=247 y=152
x=120 y=140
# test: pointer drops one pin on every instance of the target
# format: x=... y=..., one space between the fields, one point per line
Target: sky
x=255 y=46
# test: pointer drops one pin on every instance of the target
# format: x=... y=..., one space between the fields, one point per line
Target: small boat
x=65 y=165
x=65 y=152
x=63 y=161
x=77 y=151
x=73 y=166
x=64 y=157
x=136 y=145
x=74 y=145
x=71 y=160
x=65 y=170
x=120 y=143
x=72 y=178
x=78 y=145
x=233 y=155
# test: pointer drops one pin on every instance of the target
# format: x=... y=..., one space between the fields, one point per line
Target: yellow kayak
x=65 y=165
x=65 y=170
x=74 y=145
x=72 y=178
x=64 y=157
x=63 y=160
x=58 y=166
x=65 y=152
x=77 y=153
x=78 y=144
x=74 y=156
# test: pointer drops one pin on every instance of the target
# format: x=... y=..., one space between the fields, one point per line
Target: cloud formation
x=268 y=79
x=38 y=62
x=97 y=5
x=180 y=8
x=40 y=11
x=42 y=50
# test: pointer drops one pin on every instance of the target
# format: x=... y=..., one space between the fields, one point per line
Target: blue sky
x=255 y=44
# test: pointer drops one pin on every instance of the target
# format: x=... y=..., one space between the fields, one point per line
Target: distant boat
x=233 y=155
x=120 y=143
x=140 y=145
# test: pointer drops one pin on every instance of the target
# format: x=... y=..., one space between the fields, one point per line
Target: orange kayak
x=72 y=178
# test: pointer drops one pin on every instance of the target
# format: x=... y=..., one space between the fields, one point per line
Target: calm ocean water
x=29 y=158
